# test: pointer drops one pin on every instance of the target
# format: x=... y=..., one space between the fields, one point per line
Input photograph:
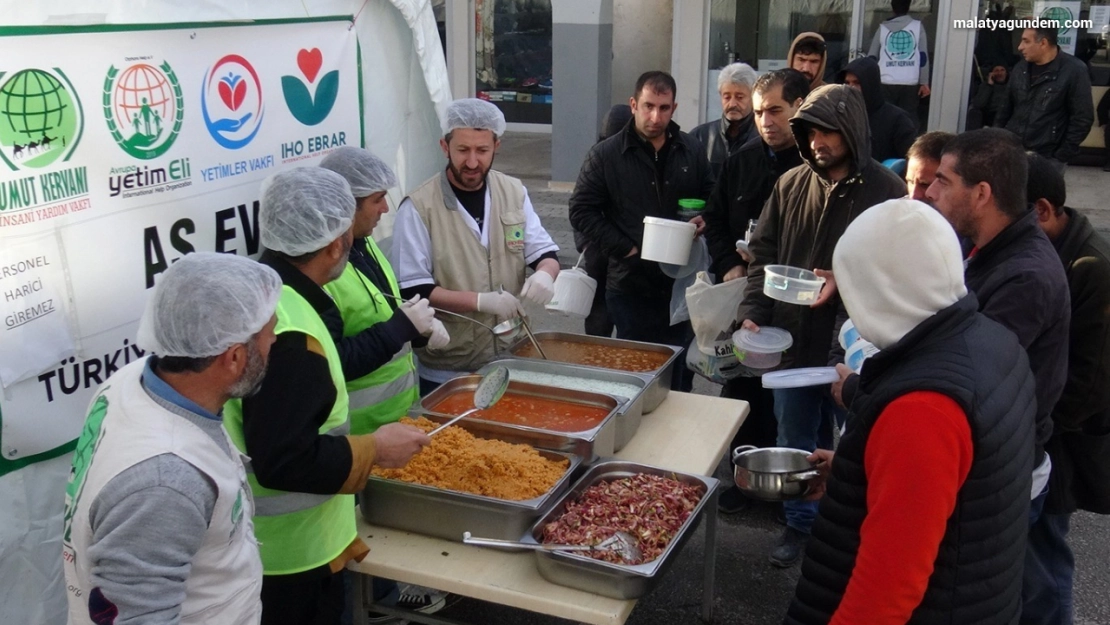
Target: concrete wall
x=641 y=42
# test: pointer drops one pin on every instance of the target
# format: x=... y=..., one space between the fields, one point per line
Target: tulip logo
x=310 y=108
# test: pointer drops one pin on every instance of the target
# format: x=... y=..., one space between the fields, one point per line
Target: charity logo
x=901 y=45
x=41 y=119
x=1061 y=15
x=144 y=108
x=310 y=109
x=89 y=440
x=231 y=102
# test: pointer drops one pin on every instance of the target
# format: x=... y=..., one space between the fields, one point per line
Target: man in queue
x=305 y=466
x=922 y=161
x=157 y=525
x=722 y=137
x=924 y=515
x=808 y=54
x=465 y=238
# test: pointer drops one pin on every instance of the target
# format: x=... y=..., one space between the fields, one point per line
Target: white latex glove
x=503 y=305
x=439 y=338
x=539 y=288
x=420 y=314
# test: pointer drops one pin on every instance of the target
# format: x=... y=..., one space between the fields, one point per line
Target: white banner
x=122 y=149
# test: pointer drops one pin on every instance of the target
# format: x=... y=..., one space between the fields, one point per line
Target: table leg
x=708 y=591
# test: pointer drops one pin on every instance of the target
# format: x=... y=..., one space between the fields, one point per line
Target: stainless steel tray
x=447 y=514
x=659 y=379
x=604 y=578
x=589 y=444
x=629 y=414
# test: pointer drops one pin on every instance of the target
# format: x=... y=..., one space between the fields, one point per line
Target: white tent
x=405 y=91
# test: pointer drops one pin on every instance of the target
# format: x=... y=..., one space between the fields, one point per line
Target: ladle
x=622 y=543
x=489 y=391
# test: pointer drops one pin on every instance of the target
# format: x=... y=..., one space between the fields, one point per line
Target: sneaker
x=413 y=598
x=790 y=549
x=732 y=501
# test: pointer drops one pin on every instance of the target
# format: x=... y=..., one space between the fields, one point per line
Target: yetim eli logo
x=144 y=108
x=41 y=122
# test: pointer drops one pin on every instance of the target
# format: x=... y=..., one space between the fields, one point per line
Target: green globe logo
x=1060 y=15
x=40 y=118
x=900 y=45
x=143 y=106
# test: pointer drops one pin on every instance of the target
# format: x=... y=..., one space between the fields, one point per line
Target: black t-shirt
x=473 y=201
x=1035 y=71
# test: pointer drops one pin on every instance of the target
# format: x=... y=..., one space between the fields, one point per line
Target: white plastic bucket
x=667 y=240
x=574 y=293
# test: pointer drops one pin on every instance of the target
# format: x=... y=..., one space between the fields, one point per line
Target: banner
x=1067 y=14
x=122 y=148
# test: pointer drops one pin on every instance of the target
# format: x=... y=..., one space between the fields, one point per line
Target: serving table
x=689 y=433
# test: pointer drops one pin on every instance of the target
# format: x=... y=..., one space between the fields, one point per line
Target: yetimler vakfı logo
x=144 y=108
x=41 y=119
x=307 y=108
x=234 y=116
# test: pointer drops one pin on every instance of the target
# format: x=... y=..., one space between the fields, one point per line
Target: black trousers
x=596 y=264
x=760 y=429
x=649 y=320
x=309 y=598
x=904 y=97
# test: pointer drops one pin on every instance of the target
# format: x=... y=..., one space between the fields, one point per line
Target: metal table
x=689 y=433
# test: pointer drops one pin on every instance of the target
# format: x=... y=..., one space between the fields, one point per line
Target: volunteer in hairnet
x=305 y=466
x=157 y=524
x=465 y=238
x=371 y=327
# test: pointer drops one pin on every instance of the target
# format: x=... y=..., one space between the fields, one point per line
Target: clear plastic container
x=763 y=349
x=791 y=284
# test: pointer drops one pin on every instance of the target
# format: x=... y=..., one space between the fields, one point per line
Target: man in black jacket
x=723 y=137
x=749 y=177
x=808 y=210
x=1049 y=105
x=892 y=130
x=642 y=171
x=991 y=95
x=1017 y=276
x=1080 y=443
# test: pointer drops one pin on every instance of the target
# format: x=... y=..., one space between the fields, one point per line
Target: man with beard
x=808 y=210
x=808 y=54
x=157 y=518
x=465 y=238
x=304 y=466
x=749 y=177
x=723 y=137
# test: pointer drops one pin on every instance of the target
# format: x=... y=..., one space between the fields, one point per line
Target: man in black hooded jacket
x=892 y=130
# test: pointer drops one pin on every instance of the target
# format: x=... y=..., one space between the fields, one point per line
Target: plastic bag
x=679 y=310
x=713 y=310
x=684 y=278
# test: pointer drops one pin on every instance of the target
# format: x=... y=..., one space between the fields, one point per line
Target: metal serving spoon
x=490 y=390
x=623 y=543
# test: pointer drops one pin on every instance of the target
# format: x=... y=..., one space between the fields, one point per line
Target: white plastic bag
x=713 y=310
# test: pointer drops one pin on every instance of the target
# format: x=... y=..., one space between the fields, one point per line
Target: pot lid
x=798 y=378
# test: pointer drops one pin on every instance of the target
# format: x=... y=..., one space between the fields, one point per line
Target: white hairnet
x=207 y=302
x=737 y=74
x=366 y=173
x=304 y=209
x=474 y=113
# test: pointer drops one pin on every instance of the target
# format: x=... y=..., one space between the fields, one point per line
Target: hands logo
x=238 y=109
x=144 y=100
x=308 y=109
x=41 y=119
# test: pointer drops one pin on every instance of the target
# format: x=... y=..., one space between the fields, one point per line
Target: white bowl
x=791 y=284
x=667 y=240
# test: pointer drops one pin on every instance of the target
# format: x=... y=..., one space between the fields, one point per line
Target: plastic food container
x=858 y=352
x=763 y=349
x=791 y=284
x=574 y=293
x=848 y=334
x=667 y=240
x=690 y=208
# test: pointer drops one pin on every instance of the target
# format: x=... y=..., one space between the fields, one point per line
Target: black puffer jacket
x=718 y=146
x=892 y=130
x=1053 y=115
x=805 y=216
x=619 y=185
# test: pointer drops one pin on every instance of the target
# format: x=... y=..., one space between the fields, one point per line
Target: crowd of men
x=215 y=480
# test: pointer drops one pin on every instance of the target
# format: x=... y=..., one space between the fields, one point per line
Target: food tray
x=632 y=408
x=619 y=581
x=589 y=444
x=447 y=514
x=659 y=379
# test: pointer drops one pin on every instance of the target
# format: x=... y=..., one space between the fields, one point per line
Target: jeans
x=649 y=320
x=806 y=417
x=1046 y=588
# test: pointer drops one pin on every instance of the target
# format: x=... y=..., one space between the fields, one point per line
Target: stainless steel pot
x=773 y=473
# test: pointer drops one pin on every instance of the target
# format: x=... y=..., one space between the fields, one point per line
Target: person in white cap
x=465 y=239
x=925 y=513
x=305 y=465
x=157 y=525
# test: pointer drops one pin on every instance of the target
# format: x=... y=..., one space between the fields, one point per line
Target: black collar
x=293 y=278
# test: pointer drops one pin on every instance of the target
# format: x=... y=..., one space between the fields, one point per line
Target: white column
x=690 y=60
x=951 y=73
x=460 y=47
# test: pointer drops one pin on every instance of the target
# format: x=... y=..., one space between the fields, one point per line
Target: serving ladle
x=621 y=543
x=489 y=391
x=505 y=327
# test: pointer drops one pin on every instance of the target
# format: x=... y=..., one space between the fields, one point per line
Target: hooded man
x=935 y=535
x=721 y=138
x=808 y=54
x=805 y=215
x=892 y=130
